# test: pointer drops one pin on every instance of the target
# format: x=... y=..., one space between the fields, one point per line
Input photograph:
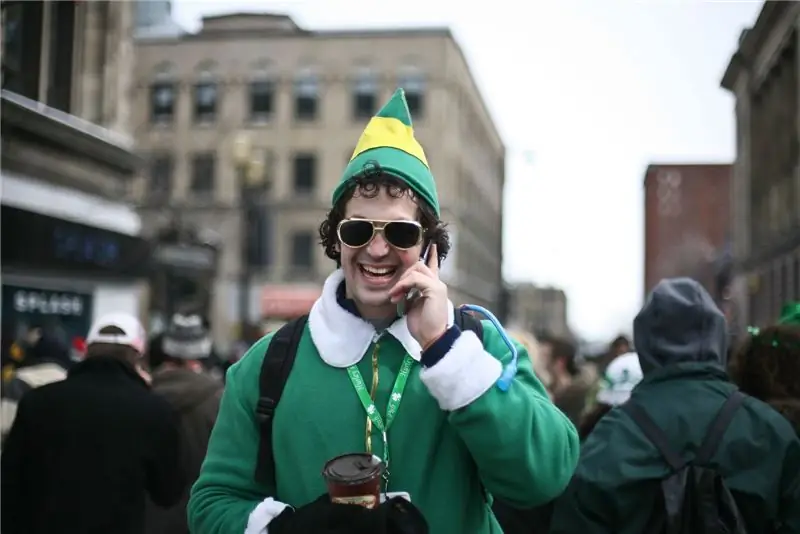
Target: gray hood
x=679 y=323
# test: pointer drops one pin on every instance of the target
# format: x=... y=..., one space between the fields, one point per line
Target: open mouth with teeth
x=377 y=273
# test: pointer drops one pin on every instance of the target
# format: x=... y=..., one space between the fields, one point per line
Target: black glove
x=318 y=517
x=401 y=517
x=395 y=516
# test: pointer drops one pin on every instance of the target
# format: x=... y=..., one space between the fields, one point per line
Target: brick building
x=763 y=77
x=687 y=222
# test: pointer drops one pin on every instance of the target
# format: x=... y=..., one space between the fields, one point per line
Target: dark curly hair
x=368 y=184
x=767 y=364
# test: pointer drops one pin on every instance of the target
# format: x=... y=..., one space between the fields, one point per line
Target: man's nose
x=378 y=247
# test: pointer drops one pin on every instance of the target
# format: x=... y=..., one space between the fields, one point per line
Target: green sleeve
x=525 y=448
x=226 y=491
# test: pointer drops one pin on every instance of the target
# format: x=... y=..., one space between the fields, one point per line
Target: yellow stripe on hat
x=388 y=132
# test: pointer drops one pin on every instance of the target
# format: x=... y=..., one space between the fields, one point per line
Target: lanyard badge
x=391 y=408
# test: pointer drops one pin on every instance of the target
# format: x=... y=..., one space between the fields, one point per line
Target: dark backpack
x=275 y=369
x=694 y=496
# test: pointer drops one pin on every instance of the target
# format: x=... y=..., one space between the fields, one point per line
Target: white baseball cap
x=133 y=332
x=620 y=378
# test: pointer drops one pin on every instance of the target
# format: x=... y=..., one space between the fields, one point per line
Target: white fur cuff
x=266 y=511
x=465 y=373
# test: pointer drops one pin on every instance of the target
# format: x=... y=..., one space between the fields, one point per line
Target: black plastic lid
x=353 y=468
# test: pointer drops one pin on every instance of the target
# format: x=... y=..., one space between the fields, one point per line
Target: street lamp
x=249 y=164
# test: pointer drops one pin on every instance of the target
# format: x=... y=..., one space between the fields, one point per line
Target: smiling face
x=372 y=270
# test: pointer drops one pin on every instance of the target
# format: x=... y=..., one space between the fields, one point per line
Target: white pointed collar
x=341 y=338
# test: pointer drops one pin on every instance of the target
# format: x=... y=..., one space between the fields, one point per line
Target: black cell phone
x=414 y=293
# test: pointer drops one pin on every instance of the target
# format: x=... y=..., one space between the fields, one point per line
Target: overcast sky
x=585 y=94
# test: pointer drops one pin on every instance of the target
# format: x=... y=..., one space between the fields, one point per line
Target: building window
x=303 y=252
x=305 y=169
x=306 y=95
x=161 y=169
x=262 y=91
x=22 y=47
x=203 y=174
x=413 y=82
x=206 y=93
x=365 y=94
x=796 y=276
x=162 y=102
x=205 y=101
x=262 y=95
x=62 y=43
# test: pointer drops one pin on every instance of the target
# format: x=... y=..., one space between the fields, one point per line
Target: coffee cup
x=354 y=479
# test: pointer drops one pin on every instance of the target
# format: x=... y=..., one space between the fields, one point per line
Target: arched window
x=262 y=91
x=306 y=94
x=205 y=92
x=365 y=92
x=413 y=81
x=163 y=90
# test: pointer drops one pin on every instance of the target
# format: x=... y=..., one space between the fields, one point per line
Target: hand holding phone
x=421 y=297
x=414 y=294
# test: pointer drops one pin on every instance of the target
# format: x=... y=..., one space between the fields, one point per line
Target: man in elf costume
x=456 y=439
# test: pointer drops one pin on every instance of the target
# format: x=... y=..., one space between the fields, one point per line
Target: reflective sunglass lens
x=402 y=234
x=355 y=233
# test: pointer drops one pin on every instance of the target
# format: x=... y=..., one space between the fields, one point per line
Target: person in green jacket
x=453 y=438
x=681 y=339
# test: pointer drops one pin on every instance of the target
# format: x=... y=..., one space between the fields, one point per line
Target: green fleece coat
x=455 y=432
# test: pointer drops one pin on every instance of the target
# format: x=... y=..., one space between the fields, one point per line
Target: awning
x=287 y=300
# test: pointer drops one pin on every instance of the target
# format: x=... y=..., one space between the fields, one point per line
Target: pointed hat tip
x=397 y=107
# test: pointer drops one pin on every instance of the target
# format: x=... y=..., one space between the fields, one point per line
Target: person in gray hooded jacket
x=681 y=338
x=195 y=394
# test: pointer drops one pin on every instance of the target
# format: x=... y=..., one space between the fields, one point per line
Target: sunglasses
x=356 y=233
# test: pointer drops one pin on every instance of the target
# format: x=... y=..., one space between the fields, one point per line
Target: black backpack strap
x=654 y=434
x=466 y=321
x=275 y=369
x=718 y=427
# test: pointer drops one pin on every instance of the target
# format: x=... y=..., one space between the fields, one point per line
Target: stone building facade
x=71 y=249
x=765 y=195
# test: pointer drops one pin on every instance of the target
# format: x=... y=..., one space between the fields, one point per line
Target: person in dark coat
x=183 y=379
x=681 y=338
x=45 y=360
x=83 y=452
x=620 y=377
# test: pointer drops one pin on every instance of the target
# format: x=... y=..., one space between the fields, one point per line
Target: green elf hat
x=388 y=141
x=790 y=314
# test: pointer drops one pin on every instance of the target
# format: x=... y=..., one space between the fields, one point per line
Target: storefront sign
x=63 y=315
x=33 y=240
x=47 y=303
x=287 y=301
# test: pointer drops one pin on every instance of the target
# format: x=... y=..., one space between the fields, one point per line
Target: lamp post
x=249 y=164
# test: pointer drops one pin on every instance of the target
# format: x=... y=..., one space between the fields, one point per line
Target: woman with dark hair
x=767 y=365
